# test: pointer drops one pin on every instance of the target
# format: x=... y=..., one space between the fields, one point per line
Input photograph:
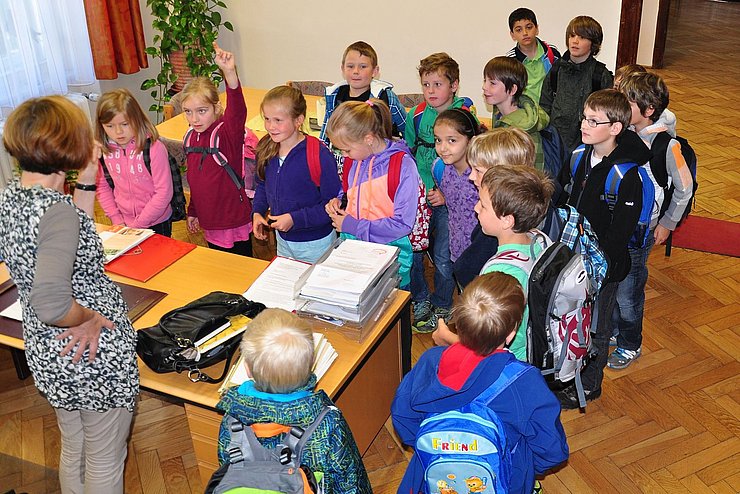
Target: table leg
x=405 y=319
x=20 y=362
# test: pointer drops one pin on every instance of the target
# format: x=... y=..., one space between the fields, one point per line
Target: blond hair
x=353 y=120
x=441 y=63
x=205 y=89
x=47 y=135
x=122 y=101
x=491 y=307
x=278 y=351
x=501 y=146
x=520 y=191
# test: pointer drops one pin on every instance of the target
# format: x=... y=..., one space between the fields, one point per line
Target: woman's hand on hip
x=85 y=336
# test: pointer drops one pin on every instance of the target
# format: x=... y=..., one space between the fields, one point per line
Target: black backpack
x=177 y=203
x=660 y=172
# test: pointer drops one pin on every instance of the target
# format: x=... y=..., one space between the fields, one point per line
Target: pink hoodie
x=139 y=199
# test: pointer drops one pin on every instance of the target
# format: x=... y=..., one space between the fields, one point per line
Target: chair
x=173 y=107
x=410 y=100
x=312 y=88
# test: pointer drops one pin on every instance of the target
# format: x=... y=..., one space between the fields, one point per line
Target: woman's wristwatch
x=86 y=187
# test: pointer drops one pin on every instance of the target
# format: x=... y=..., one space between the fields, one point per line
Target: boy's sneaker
x=422 y=311
x=568 y=397
x=622 y=358
x=430 y=324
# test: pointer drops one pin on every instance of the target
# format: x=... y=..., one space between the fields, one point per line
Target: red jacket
x=214 y=198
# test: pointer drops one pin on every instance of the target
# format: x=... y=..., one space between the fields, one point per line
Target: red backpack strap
x=394 y=174
x=312 y=157
x=345 y=173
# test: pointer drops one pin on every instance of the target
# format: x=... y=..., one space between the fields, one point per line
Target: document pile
x=351 y=281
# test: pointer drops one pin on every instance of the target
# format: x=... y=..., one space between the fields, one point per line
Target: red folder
x=149 y=257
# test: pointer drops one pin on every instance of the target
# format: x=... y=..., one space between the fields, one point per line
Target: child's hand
x=259 y=226
x=193 y=224
x=442 y=336
x=337 y=219
x=227 y=63
x=333 y=206
x=661 y=234
x=281 y=223
x=435 y=197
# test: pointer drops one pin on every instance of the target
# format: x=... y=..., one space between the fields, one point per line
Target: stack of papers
x=279 y=284
x=117 y=240
x=324 y=356
x=351 y=280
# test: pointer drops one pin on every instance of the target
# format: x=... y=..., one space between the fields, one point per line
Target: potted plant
x=186 y=29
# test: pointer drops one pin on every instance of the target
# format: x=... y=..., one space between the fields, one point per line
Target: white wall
x=648 y=24
x=279 y=40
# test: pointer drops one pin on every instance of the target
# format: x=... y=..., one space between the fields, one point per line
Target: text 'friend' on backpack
x=419 y=235
x=465 y=450
x=255 y=468
x=611 y=193
x=560 y=301
x=177 y=203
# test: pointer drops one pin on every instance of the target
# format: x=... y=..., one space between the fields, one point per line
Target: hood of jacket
x=630 y=148
x=430 y=396
x=376 y=86
x=665 y=123
x=530 y=117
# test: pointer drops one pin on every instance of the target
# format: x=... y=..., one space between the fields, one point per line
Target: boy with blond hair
x=440 y=78
x=572 y=78
x=278 y=352
x=648 y=98
x=449 y=378
x=607 y=142
x=513 y=201
x=537 y=56
x=360 y=71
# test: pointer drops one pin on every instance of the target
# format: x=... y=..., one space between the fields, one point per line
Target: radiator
x=7 y=164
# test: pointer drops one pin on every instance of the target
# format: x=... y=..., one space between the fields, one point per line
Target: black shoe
x=568 y=397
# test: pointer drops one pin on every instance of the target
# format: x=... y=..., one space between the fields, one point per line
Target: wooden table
x=361 y=381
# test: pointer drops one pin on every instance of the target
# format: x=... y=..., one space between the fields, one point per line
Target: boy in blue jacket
x=446 y=378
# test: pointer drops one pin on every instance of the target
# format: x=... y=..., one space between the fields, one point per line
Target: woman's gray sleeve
x=59 y=236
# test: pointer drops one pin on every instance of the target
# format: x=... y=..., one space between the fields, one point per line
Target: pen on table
x=384 y=306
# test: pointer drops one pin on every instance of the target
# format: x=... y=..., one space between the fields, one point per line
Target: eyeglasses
x=593 y=123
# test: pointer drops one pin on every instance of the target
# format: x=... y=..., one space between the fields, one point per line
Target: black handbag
x=170 y=345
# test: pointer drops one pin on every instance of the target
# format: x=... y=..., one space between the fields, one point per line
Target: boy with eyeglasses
x=604 y=132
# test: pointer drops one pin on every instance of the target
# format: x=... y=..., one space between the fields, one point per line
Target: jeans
x=444 y=282
x=309 y=251
x=593 y=374
x=628 y=311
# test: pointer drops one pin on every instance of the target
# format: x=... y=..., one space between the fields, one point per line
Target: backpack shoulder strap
x=596 y=76
x=659 y=148
x=418 y=114
x=575 y=163
x=243 y=444
x=296 y=440
x=512 y=371
x=345 y=173
x=614 y=180
x=108 y=178
x=554 y=77
x=313 y=159
x=438 y=169
x=394 y=173
x=146 y=156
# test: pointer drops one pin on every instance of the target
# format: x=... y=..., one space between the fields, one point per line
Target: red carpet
x=708 y=235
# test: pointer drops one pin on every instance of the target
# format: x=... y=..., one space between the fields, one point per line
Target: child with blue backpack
x=469 y=387
x=296 y=177
x=673 y=184
x=440 y=78
x=610 y=150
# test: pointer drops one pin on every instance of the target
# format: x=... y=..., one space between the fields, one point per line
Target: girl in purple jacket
x=138 y=199
x=296 y=176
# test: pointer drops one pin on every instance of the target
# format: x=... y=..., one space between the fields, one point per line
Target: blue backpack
x=611 y=192
x=465 y=450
